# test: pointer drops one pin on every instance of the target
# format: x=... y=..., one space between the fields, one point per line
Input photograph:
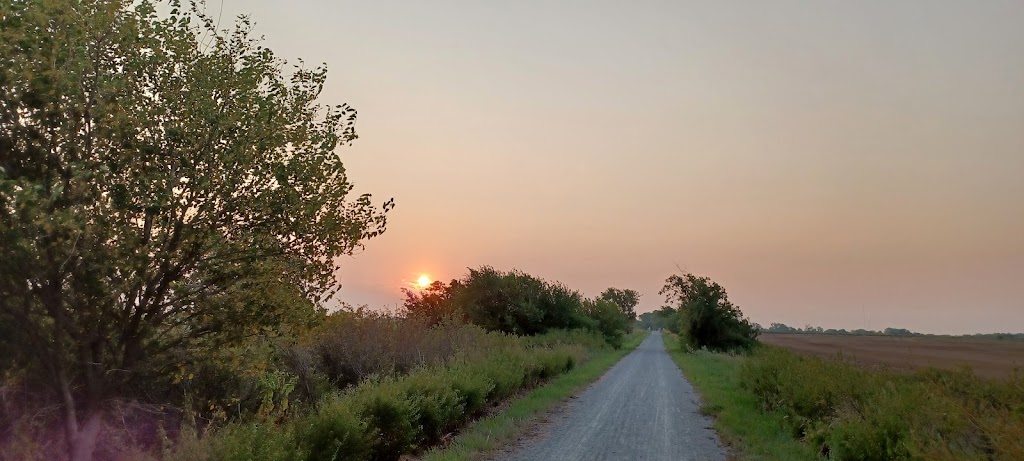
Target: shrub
x=610 y=321
x=580 y=337
x=439 y=406
x=234 y=442
x=334 y=433
x=471 y=387
x=390 y=416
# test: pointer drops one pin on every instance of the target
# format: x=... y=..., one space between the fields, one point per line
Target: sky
x=833 y=163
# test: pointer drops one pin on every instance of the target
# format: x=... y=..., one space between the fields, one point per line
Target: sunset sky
x=843 y=164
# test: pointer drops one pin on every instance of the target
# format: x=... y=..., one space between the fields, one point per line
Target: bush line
x=385 y=418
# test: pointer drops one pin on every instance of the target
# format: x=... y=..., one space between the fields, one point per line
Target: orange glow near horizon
x=822 y=173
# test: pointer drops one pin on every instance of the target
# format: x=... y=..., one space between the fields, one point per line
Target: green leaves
x=165 y=189
x=707 y=317
x=626 y=300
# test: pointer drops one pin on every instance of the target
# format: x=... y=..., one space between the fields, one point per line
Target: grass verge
x=497 y=430
x=752 y=434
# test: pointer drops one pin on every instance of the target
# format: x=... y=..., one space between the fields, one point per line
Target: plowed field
x=988 y=358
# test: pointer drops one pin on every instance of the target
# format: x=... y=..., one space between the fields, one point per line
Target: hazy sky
x=837 y=163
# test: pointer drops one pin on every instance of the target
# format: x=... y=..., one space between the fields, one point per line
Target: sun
x=423 y=281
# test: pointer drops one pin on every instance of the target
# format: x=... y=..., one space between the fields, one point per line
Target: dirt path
x=641 y=409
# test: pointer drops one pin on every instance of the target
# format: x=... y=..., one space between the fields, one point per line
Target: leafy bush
x=626 y=300
x=608 y=320
x=239 y=442
x=708 y=319
x=440 y=407
x=390 y=416
x=334 y=433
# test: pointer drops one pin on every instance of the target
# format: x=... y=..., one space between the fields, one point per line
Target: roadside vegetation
x=847 y=412
x=775 y=404
x=172 y=205
x=771 y=403
x=751 y=433
x=509 y=424
x=353 y=385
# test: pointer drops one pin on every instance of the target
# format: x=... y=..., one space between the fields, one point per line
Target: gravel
x=641 y=409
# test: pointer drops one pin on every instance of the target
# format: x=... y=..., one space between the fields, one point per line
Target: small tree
x=433 y=303
x=165 y=190
x=609 y=320
x=707 y=318
x=625 y=299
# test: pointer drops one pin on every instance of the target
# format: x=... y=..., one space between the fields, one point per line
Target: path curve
x=641 y=409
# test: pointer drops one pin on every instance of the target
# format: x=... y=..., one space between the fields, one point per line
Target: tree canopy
x=626 y=300
x=165 y=187
x=707 y=317
x=516 y=302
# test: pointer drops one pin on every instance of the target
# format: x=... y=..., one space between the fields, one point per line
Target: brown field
x=987 y=357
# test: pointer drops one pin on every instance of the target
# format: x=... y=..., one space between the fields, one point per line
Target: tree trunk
x=82 y=443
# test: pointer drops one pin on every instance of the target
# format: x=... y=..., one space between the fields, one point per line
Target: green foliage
x=708 y=319
x=518 y=303
x=514 y=421
x=334 y=433
x=433 y=304
x=515 y=302
x=609 y=320
x=850 y=413
x=666 y=318
x=472 y=387
x=626 y=300
x=237 y=442
x=583 y=337
x=166 y=189
x=440 y=406
x=388 y=417
x=740 y=419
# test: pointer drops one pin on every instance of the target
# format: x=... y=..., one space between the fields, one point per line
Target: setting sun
x=423 y=281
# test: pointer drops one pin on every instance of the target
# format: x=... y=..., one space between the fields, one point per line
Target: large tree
x=707 y=318
x=165 y=188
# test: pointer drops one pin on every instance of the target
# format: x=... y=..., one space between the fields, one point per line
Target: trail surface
x=641 y=409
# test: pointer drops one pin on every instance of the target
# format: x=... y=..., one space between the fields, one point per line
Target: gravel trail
x=641 y=409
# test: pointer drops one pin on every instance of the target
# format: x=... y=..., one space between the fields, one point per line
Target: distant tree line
x=812 y=330
x=782 y=328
